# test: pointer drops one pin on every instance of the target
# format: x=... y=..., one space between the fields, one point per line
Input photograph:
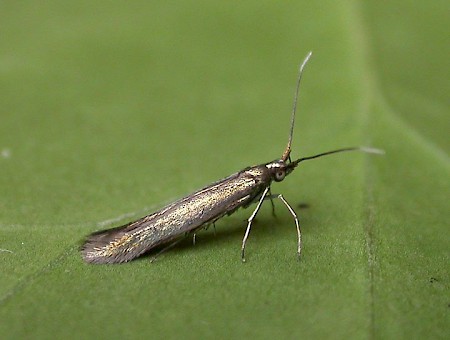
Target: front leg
x=250 y=220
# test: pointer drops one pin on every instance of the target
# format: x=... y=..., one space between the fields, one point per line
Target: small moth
x=203 y=207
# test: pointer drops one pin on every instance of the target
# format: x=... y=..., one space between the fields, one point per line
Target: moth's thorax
x=259 y=173
x=277 y=164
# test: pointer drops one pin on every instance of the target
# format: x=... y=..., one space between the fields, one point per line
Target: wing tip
x=95 y=250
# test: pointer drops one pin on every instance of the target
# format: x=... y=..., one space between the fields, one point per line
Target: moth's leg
x=271 y=197
x=194 y=237
x=250 y=220
x=170 y=246
x=173 y=244
x=297 y=224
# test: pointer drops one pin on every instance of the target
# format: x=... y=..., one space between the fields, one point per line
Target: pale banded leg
x=297 y=224
x=250 y=220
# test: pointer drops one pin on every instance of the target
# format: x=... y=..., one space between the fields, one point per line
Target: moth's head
x=279 y=169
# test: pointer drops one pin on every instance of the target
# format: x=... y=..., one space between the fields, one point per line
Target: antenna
x=358 y=148
x=287 y=152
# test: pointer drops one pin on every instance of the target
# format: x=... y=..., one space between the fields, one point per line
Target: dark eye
x=279 y=175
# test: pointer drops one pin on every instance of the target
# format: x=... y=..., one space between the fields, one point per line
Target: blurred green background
x=109 y=110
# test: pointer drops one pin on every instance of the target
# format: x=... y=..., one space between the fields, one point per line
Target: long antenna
x=287 y=152
x=360 y=148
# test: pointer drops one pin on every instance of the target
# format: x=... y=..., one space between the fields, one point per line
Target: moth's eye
x=279 y=175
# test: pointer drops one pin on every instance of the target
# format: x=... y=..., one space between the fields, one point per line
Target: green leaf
x=110 y=110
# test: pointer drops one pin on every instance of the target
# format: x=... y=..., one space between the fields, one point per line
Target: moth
x=203 y=207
